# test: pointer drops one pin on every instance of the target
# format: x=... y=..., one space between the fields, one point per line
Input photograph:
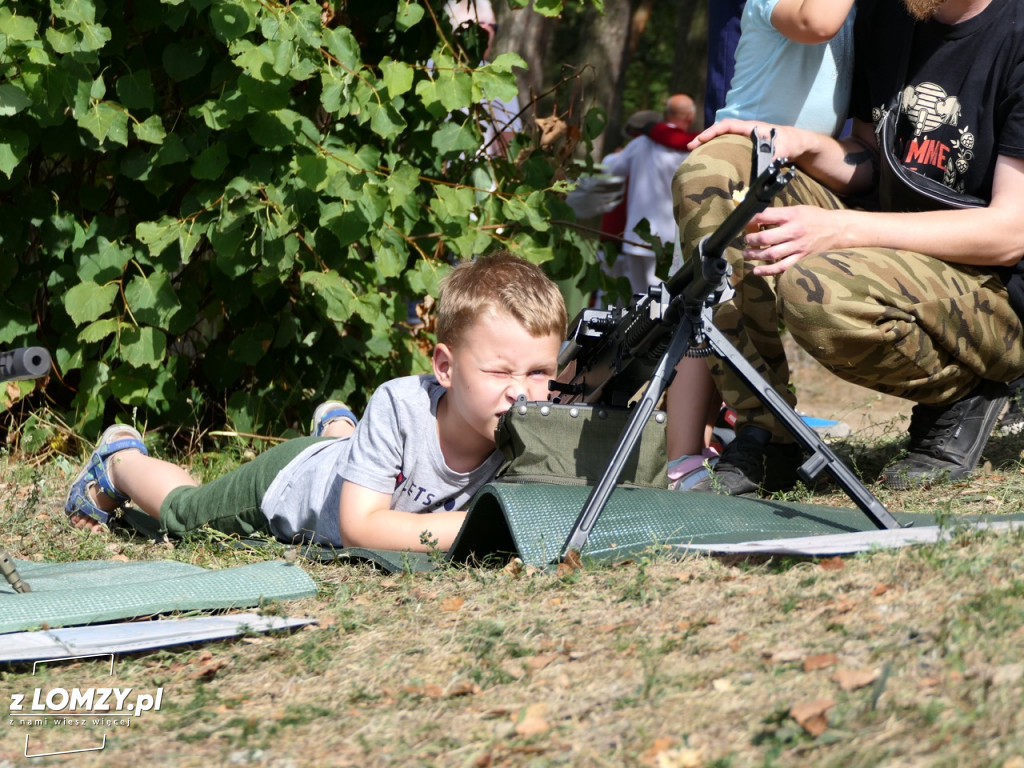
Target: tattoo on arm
x=864 y=155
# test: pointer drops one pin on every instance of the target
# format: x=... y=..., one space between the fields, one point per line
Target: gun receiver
x=617 y=349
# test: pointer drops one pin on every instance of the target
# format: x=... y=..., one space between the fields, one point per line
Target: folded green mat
x=70 y=594
x=533 y=521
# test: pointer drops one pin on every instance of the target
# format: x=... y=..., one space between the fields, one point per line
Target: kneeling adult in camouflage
x=922 y=304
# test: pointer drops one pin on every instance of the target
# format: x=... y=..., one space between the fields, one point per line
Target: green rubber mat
x=70 y=594
x=534 y=521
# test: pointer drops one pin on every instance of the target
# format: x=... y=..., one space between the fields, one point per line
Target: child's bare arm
x=810 y=21
x=366 y=520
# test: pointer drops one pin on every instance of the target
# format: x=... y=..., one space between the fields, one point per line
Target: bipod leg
x=822 y=458
x=642 y=411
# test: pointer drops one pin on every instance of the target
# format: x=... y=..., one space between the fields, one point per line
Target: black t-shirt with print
x=962 y=94
x=962 y=88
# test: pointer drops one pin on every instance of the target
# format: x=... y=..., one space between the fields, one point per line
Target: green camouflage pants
x=894 y=321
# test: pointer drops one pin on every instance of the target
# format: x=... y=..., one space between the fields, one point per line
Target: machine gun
x=18 y=365
x=616 y=351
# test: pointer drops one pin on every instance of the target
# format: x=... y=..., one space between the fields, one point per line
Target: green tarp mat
x=70 y=594
x=532 y=522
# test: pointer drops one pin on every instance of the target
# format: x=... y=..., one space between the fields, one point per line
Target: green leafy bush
x=221 y=210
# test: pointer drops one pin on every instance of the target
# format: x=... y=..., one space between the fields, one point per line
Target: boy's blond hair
x=499 y=282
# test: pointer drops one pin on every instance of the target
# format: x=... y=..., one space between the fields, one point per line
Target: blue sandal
x=94 y=473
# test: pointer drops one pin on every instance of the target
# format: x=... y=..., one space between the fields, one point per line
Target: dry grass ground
x=893 y=658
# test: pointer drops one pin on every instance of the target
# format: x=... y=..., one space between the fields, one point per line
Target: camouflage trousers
x=894 y=321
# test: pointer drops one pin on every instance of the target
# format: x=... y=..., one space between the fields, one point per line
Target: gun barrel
x=758 y=197
x=24 y=363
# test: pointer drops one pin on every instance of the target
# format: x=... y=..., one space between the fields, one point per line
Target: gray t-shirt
x=395 y=449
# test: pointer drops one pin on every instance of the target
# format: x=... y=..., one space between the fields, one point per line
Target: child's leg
x=145 y=480
x=692 y=404
x=233 y=502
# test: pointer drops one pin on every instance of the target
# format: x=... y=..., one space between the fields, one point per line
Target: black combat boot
x=946 y=441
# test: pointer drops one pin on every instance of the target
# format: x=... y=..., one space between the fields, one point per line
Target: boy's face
x=495 y=361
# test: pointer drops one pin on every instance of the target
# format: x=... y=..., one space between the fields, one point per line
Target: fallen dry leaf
x=832 y=564
x=812 y=716
x=532 y=726
x=650 y=755
x=681 y=758
x=605 y=628
x=819 y=661
x=536 y=663
x=534 y=721
x=570 y=564
x=852 y=679
x=463 y=688
x=210 y=668
x=880 y=589
x=452 y=603
x=426 y=691
x=845 y=605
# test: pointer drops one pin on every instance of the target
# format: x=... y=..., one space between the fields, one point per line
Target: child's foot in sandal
x=333 y=419
x=93 y=498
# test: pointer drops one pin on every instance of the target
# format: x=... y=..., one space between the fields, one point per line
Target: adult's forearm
x=974 y=236
x=846 y=167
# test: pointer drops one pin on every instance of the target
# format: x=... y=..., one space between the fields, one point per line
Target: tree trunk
x=579 y=60
x=529 y=34
x=689 y=65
